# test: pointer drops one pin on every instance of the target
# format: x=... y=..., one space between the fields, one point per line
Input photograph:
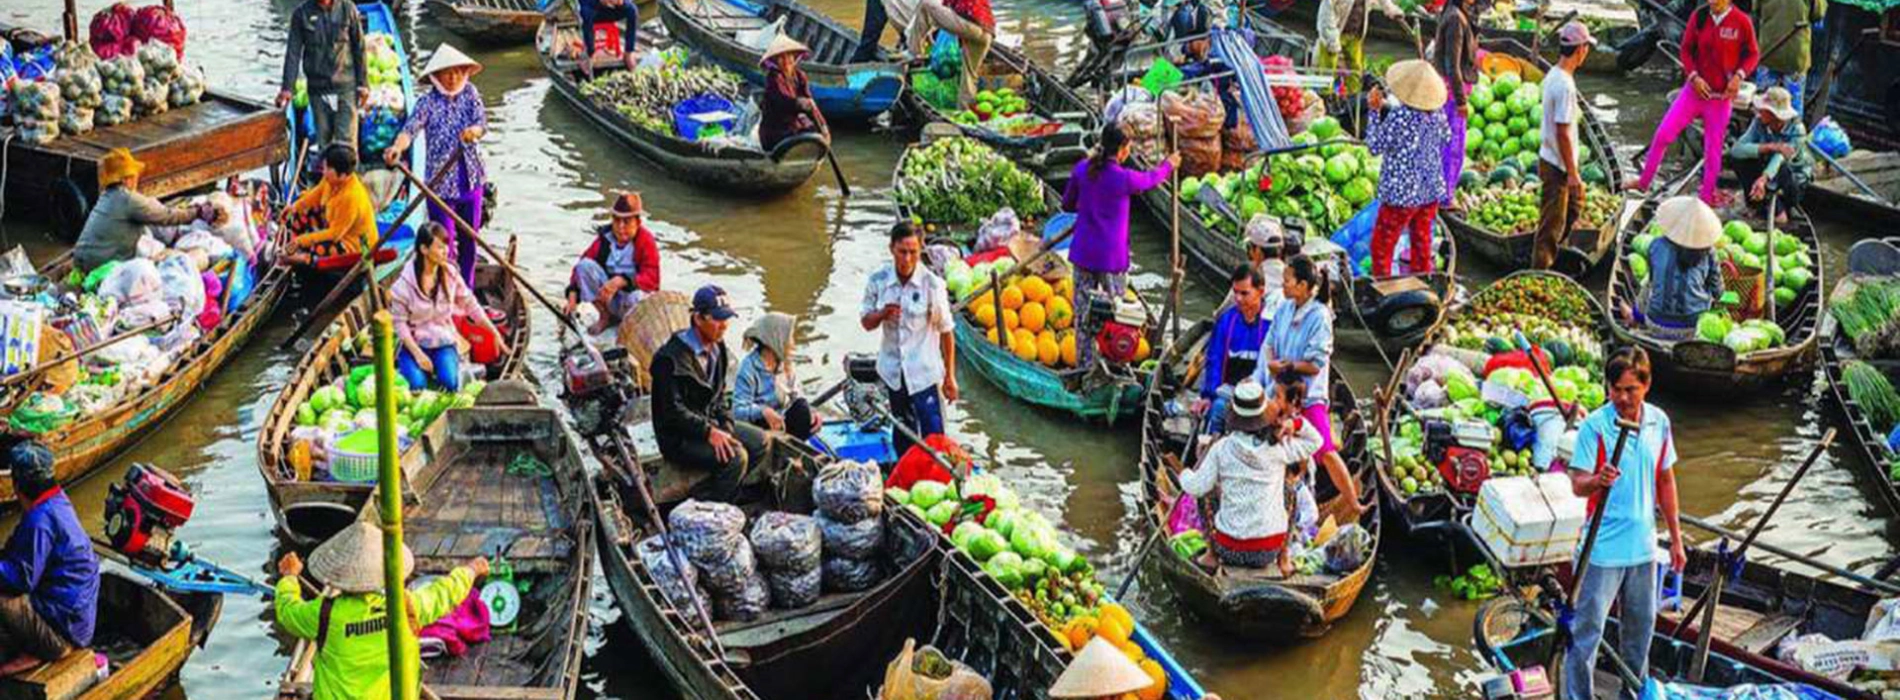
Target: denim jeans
x=448 y=368
x=1217 y=410
x=922 y=411
x=1635 y=586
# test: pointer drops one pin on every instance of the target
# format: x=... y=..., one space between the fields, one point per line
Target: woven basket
x=656 y=319
x=1748 y=284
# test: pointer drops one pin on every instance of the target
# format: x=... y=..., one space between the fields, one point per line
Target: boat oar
x=42 y=367
x=1769 y=283
x=1141 y=557
x=1849 y=174
x=1174 y=233
x=1875 y=583
x=1623 y=429
x=1711 y=596
x=1048 y=248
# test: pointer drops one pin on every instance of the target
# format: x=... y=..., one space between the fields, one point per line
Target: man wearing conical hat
x=451 y=118
x=348 y=622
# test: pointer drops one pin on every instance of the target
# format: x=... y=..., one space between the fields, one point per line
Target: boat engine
x=143 y=511
x=1117 y=326
x=1460 y=451
x=589 y=387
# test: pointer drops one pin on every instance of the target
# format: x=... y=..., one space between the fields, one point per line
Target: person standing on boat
x=1249 y=466
x=1558 y=168
x=879 y=14
x=691 y=414
x=619 y=268
x=974 y=26
x=1719 y=53
x=427 y=304
x=1626 y=496
x=325 y=48
x=917 y=357
x=1684 y=277
x=49 y=575
x=1233 y=351
x=1455 y=54
x=765 y=393
x=349 y=621
x=338 y=207
x=1099 y=190
x=1772 y=155
x=1786 y=61
x=1300 y=343
x=451 y=119
x=1411 y=136
x=787 y=108
x=1342 y=26
x=123 y=214
x=627 y=12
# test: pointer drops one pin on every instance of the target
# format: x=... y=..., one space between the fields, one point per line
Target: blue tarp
x=1660 y=690
x=1234 y=47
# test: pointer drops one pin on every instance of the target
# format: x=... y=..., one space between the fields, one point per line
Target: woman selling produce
x=427 y=304
x=451 y=118
x=1455 y=54
x=1718 y=51
x=1300 y=342
x=1684 y=278
x=120 y=218
x=1098 y=192
x=1101 y=672
x=334 y=222
x=971 y=22
x=788 y=108
x=1411 y=136
x=1249 y=466
x=765 y=393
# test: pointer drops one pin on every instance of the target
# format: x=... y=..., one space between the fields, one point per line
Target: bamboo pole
x=404 y=654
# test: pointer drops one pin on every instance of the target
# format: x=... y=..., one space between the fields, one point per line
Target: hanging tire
x=1633 y=52
x=71 y=206
x=1403 y=314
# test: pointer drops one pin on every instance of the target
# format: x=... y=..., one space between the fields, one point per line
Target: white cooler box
x=1528 y=521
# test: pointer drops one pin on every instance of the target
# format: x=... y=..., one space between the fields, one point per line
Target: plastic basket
x=1747 y=283
x=686 y=118
x=358 y=466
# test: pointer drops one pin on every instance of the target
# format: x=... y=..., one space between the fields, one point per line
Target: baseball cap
x=1575 y=34
x=710 y=301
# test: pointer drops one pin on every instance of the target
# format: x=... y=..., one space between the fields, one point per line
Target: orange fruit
x=985 y=315
x=1079 y=632
x=1160 y=687
x=1068 y=349
x=1011 y=320
x=1061 y=313
x=1036 y=290
x=1012 y=297
x=992 y=335
x=1047 y=351
x=1065 y=288
x=1115 y=611
x=1133 y=651
x=1114 y=631
x=1034 y=316
x=1142 y=350
x=1023 y=343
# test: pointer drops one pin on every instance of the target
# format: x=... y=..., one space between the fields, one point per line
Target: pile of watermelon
x=349 y=404
x=1324 y=185
x=1747 y=249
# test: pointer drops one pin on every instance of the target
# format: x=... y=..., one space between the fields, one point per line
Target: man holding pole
x=910 y=307
x=1624 y=492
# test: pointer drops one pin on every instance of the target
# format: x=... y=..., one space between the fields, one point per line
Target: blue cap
x=710 y=301
x=31 y=464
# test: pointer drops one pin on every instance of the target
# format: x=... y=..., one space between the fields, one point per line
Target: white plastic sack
x=150 y=248
x=184 y=288
x=203 y=240
x=131 y=350
x=133 y=282
x=233 y=223
x=150 y=311
x=761 y=38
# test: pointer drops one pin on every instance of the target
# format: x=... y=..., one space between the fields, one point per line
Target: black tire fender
x=1403 y=314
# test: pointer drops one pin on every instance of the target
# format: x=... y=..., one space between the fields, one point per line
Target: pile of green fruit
x=960 y=181
x=1014 y=545
x=349 y=404
x=992 y=104
x=1510 y=208
x=1565 y=343
x=1506 y=113
x=1324 y=185
x=1747 y=249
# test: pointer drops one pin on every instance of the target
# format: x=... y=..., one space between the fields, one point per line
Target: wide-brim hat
x=1688 y=222
x=352 y=561
x=1777 y=101
x=1247 y=409
x=117 y=166
x=1417 y=85
x=1099 y=671
x=629 y=205
x=446 y=56
x=782 y=44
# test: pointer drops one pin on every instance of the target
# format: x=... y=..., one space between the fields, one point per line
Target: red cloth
x=1516 y=358
x=1716 y=50
x=917 y=465
x=646 y=256
x=483 y=346
x=467 y=624
x=1385 y=237
x=1270 y=543
x=977 y=11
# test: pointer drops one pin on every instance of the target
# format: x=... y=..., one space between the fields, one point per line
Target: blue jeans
x=628 y=12
x=448 y=368
x=1217 y=409
x=922 y=411
x=1601 y=587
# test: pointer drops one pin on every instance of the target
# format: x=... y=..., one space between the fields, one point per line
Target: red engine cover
x=1119 y=342
x=1464 y=469
x=163 y=493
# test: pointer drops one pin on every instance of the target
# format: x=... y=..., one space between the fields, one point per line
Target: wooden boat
x=308 y=512
x=1869 y=441
x=1439 y=515
x=145 y=634
x=476 y=498
x=222 y=136
x=1051 y=151
x=1256 y=605
x=1609 y=57
x=729 y=169
x=844 y=90
x=1110 y=65
x=1833 y=195
x=91 y=440
x=1697 y=367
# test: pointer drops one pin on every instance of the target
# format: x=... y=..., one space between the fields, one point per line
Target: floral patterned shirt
x=441 y=119
x=1411 y=144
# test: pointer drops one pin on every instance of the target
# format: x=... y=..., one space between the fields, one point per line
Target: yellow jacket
x=350 y=216
x=353 y=662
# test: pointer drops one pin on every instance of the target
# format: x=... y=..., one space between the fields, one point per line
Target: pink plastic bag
x=468 y=624
x=155 y=23
x=111 y=32
x=1184 y=516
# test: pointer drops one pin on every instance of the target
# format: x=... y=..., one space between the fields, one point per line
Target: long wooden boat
x=494 y=22
x=1110 y=65
x=145 y=634
x=1048 y=153
x=1833 y=195
x=1438 y=515
x=729 y=169
x=1698 y=367
x=844 y=90
x=1869 y=441
x=475 y=498
x=308 y=512
x=1607 y=58
x=1257 y=605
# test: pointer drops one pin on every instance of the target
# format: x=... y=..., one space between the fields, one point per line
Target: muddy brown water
x=808 y=253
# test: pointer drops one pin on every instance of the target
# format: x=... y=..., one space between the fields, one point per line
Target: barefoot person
x=1300 y=343
x=324 y=47
x=49 y=576
x=627 y=12
x=451 y=118
x=334 y=222
x=1772 y=156
x=619 y=269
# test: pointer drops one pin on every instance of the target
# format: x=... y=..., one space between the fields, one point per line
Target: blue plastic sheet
x=1661 y=690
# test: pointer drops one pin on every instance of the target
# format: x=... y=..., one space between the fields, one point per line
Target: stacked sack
x=679 y=585
x=124 y=78
x=161 y=69
x=850 y=499
x=1197 y=116
x=712 y=536
x=1141 y=123
x=787 y=547
x=36 y=108
x=80 y=88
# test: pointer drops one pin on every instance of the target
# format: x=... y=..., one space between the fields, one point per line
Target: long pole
x=404 y=654
x=1623 y=429
x=1174 y=232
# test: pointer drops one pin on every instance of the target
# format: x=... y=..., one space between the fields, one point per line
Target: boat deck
x=477 y=509
x=1754 y=631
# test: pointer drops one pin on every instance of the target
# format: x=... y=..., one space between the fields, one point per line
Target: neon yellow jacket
x=354 y=661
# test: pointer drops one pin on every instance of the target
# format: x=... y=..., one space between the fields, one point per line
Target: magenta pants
x=1688 y=108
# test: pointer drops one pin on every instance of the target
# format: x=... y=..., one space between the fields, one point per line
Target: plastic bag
x=1141 y=122
x=202 y=239
x=134 y=281
x=184 y=287
x=850 y=575
x=926 y=674
x=41 y=413
x=849 y=491
x=786 y=542
x=727 y=576
x=1348 y=549
x=157 y=23
x=708 y=533
x=997 y=230
x=679 y=586
x=791 y=591
x=857 y=540
x=110 y=32
x=746 y=602
x=946 y=56
x=1195 y=114
x=1830 y=139
x=1199 y=155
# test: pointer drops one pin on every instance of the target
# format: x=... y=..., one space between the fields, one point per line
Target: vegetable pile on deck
x=1748 y=251
x=1870 y=318
x=1499 y=188
x=649 y=94
x=959 y=182
x=1325 y=185
x=343 y=414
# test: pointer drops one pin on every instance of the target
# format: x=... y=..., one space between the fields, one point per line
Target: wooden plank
x=1767 y=632
x=469 y=692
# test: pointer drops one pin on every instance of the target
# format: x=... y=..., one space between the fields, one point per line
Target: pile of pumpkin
x=1116 y=626
x=1032 y=316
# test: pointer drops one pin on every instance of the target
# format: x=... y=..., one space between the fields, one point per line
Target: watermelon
x=1479 y=99
x=1324 y=128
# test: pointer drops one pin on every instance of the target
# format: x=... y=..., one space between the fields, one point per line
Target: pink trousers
x=1688 y=108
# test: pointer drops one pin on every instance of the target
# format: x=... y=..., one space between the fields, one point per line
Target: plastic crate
x=686 y=119
x=843 y=439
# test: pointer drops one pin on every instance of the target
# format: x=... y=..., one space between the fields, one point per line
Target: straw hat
x=1246 y=412
x=1099 y=671
x=1417 y=85
x=781 y=44
x=117 y=166
x=1688 y=222
x=352 y=561
x=446 y=56
x=1777 y=101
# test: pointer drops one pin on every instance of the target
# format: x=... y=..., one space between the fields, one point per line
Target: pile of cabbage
x=960 y=181
x=1325 y=185
x=964 y=279
x=349 y=403
x=1747 y=248
x=1752 y=335
x=1016 y=546
x=384 y=110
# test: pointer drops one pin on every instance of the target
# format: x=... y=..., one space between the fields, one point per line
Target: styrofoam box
x=1527 y=521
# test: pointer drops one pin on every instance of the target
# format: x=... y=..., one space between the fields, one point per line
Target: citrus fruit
x=1133 y=651
x=1142 y=350
x=1065 y=288
x=1115 y=611
x=1011 y=320
x=1080 y=631
x=991 y=335
x=1047 y=351
x=1061 y=313
x=1068 y=349
x=1033 y=316
x=1114 y=631
x=985 y=315
x=1012 y=297
x=1160 y=677
x=1023 y=343
x=1036 y=290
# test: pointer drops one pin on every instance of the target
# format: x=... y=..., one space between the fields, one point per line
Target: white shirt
x=911 y=356
x=1251 y=475
x=1560 y=108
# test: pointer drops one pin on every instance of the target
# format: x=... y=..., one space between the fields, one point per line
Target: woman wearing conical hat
x=451 y=118
x=1684 y=278
x=788 y=107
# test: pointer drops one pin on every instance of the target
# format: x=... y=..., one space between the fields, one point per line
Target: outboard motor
x=588 y=385
x=1116 y=325
x=142 y=513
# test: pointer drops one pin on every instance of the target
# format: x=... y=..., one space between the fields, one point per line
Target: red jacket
x=1715 y=51
x=977 y=11
x=646 y=257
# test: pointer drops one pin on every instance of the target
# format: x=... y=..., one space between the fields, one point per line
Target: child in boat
x=432 y=310
x=1684 y=278
x=1249 y=465
x=1410 y=132
x=336 y=218
x=765 y=392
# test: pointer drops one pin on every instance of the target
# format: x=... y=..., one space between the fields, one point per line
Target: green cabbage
x=927 y=494
x=941 y=513
x=986 y=544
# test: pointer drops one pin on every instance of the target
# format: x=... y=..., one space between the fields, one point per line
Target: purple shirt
x=441 y=119
x=1100 y=203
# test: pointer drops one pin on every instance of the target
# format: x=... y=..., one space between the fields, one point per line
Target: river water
x=808 y=253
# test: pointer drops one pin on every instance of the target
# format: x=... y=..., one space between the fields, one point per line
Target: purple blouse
x=1100 y=203
x=441 y=119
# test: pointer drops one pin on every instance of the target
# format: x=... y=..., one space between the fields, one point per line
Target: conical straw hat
x=446 y=56
x=352 y=561
x=781 y=44
x=1099 y=671
x=1688 y=222
x=1416 y=84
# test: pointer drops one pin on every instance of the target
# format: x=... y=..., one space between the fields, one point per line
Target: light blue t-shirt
x=1300 y=333
x=1628 y=537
